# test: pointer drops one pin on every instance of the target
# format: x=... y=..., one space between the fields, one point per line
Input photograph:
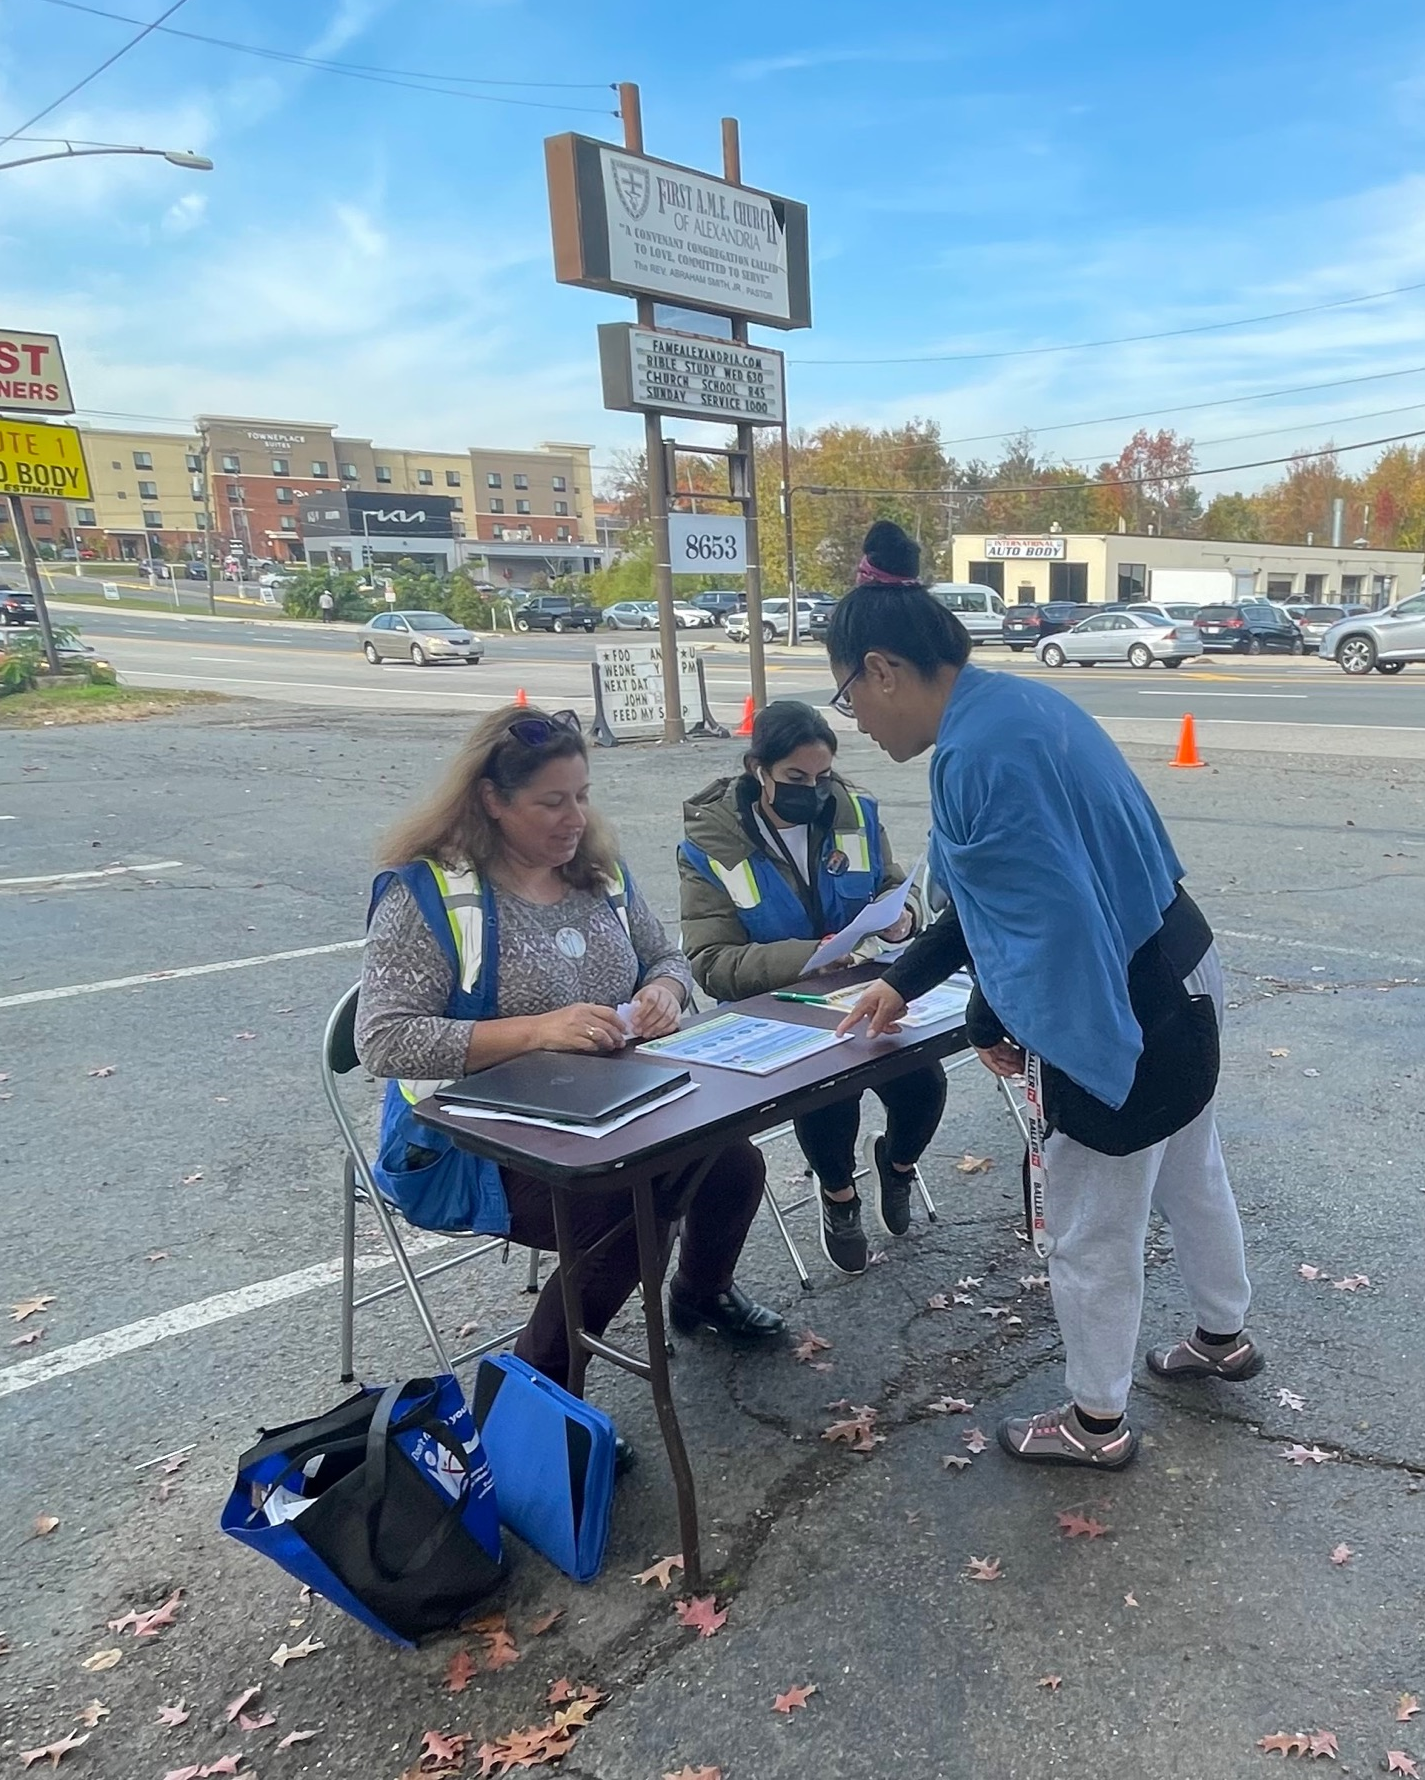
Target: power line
x=1206 y=327
x=94 y=73
x=1275 y=431
x=415 y=79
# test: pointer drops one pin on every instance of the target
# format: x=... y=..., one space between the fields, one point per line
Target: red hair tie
x=866 y=571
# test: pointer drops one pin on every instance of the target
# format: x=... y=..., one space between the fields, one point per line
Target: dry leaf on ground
x=30 y=1307
x=950 y=1406
x=702 y=1614
x=1342 y=1554
x=234 y=1707
x=1034 y=1282
x=1074 y=1525
x=545 y=1622
x=1323 y=1743
x=1130 y=1599
x=967 y=1284
x=937 y=1302
x=1289 y=1399
x=857 y=1431
x=793 y=1698
x=1307 y=1271
x=984 y=1570
x=954 y=1462
x=29 y=1338
x=1351 y=1283
x=104 y=1070
x=285 y=1653
x=975 y=1439
x=810 y=1343
x=969 y=1164
x=43 y=1525
x=459 y=1670
x=178 y=1714
x=1052 y=1682
x=695 y=1774
x=91 y=1714
x=256 y=1722
x=661 y=1570
x=961 y=1298
x=1398 y=1762
x=54 y=1752
x=294 y=1737
x=102 y=1660
x=1307 y=1455
x=1405 y=1708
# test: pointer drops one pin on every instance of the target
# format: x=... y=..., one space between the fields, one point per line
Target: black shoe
x=731 y=1313
x=843 y=1241
x=891 y=1188
x=625 y=1458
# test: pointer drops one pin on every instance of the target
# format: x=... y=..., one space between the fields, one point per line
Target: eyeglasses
x=538 y=732
x=839 y=701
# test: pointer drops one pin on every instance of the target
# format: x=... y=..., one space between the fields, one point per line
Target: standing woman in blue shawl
x=1089 y=957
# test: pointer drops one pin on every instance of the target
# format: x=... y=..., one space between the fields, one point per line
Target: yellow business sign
x=42 y=460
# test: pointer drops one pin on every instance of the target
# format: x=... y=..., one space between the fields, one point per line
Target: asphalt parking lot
x=183 y=901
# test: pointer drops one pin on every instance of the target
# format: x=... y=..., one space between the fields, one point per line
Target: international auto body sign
x=624 y=222
x=1025 y=549
x=32 y=375
x=671 y=373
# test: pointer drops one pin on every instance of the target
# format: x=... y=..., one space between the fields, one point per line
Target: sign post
x=38 y=459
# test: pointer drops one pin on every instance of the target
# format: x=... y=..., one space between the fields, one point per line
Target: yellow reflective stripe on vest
x=460 y=892
x=617 y=893
x=414 y=1091
x=853 y=842
x=739 y=881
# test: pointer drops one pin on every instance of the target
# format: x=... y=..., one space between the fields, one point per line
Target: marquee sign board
x=628 y=692
x=1026 y=549
x=627 y=223
x=671 y=373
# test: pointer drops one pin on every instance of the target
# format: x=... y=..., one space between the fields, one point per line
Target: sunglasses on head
x=538 y=732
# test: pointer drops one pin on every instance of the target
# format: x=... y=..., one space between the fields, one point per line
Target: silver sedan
x=419 y=637
x=1139 y=638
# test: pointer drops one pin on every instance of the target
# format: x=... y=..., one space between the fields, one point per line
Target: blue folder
x=552 y=1456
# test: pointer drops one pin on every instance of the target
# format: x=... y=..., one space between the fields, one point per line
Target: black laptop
x=565 y=1085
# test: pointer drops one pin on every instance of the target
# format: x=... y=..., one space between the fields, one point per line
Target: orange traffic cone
x=1187 y=754
x=749 y=711
x=521 y=696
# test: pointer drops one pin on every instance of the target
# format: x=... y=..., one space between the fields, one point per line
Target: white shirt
x=793 y=839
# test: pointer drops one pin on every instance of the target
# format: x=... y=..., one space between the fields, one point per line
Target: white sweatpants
x=1096 y=1212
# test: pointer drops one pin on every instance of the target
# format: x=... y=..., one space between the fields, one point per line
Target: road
x=172 y=1190
x=1278 y=703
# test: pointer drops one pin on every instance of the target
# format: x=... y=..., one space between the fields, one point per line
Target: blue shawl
x=1059 y=866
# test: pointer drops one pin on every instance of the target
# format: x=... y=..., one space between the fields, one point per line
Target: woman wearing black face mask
x=771 y=862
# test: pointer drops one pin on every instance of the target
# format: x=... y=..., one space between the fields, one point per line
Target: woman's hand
x=582 y=1027
x=1004 y=1059
x=655 y=1010
x=900 y=930
x=880 y=1007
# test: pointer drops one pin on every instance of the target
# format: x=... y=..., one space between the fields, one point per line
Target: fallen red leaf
x=560 y=1690
x=695 y=1774
x=1405 y=1708
x=28 y=1339
x=1307 y=1455
x=225 y=1764
x=248 y=1723
x=702 y=1614
x=1307 y=1271
x=974 y=1438
x=1130 y=1599
x=984 y=1570
x=43 y=1525
x=1052 y=1682
x=55 y=1752
x=190 y=1773
x=1342 y=1554
x=1285 y=1743
x=969 y=1164
x=435 y=1746
x=793 y=1698
x=858 y=1430
x=500 y=1651
x=1351 y=1283
x=91 y=1714
x=1073 y=1524
x=938 y=1302
x=810 y=1344
x=459 y=1670
x=953 y=1461
x=151 y=1624
x=950 y=1406
x=545 y=1622
x=234 y=1707
x=1323 y=1743
x=178 y=1714
x=1398 y=1762
x=661 y=1570
x=294 y=1737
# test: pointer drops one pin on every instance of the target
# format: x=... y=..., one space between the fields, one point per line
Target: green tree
x=302 y=592
x=1232 y=517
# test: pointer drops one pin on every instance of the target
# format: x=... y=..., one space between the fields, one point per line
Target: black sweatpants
x=913 y=1103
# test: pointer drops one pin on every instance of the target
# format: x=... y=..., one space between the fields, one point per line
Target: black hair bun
x=891 y=550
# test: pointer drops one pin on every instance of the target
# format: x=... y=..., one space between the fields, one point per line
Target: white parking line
x=332 y=686
x=75 y=877
x=1199 y=692
x=183 y=1320
x=32 y=996
x=1311 y=945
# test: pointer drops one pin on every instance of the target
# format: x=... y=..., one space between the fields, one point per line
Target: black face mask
x=800 y=805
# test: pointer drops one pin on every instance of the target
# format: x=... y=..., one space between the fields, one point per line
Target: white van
x=980 y=609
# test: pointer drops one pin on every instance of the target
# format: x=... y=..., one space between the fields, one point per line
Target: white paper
x=740 y=1041
x=615 y=1124
x=946 y=1001
x=876 y=917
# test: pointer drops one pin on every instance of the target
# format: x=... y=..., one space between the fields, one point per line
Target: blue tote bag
x=553 y=1459
x=385 y=1505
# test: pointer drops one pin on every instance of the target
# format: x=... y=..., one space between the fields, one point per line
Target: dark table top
x=727 y=1104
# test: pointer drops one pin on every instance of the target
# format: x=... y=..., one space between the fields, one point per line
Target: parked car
x=776 y=622
x=718 y=603
x=1315 y=621
x=1385 y=641
x=1249 y=628
x=556 y=612
x=1174 y=611
x=195 y=571
x=820 y=620
x=631 y=615
x=687 y=616
x=419 y=637
x=17 y=606
x=1024 y=626
x=1139 y=638
x=979 y=608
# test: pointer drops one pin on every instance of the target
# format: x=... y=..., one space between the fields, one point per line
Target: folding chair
x=359 y=1188
x=779 y=1212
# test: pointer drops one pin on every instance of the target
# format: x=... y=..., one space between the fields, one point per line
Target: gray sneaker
x=843 y=1241
x=1058 y=1437
x=1192 y=1358
x=890 y=1187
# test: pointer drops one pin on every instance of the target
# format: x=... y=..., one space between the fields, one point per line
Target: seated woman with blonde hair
x=504 y=922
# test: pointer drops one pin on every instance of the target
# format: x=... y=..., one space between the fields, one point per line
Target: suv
x=1384 y=640
x=979 y=608
x=1026 y=625
x=776 y=621
x=717 y=604
x=556 y=612
x=1249 y=628
x=17 y=606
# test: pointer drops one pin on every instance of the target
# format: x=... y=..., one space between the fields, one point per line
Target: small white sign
x=631 y=682
x=672 y=373
x=1025 y=549
x=111 y=591
x=707 y=543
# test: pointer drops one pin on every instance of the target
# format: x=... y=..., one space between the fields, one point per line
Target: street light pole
x=176 y=157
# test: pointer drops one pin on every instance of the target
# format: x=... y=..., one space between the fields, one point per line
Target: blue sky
x=980 y=180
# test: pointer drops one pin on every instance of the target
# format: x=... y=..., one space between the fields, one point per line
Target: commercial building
x=155 y=494
x=1099 y=566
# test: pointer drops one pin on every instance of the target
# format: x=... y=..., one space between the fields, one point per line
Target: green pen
x=806 y=1000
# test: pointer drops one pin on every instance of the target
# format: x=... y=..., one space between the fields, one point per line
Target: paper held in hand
x=876 y=917
x=947 y=1001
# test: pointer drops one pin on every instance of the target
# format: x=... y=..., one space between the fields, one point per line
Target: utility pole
x=32 y=575
x=787 y=532
x=746 y=459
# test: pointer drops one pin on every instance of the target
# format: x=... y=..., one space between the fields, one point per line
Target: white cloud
x=185 y=214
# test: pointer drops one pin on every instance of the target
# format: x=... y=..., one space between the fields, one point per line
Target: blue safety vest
x=849 y=870
x=458 y=1190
